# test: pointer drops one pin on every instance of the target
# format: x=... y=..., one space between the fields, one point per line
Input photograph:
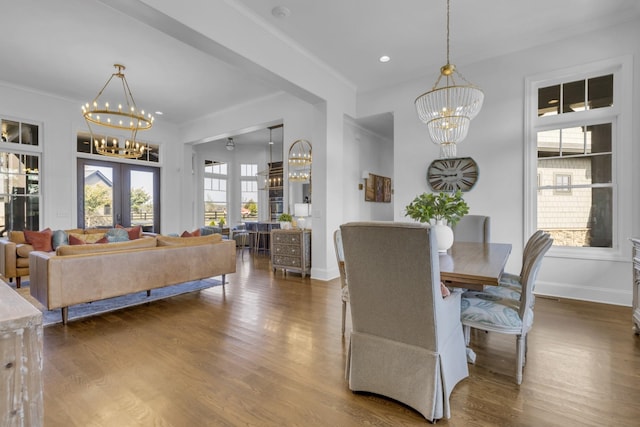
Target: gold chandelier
x=123 y=115
x=300 y=161
x=448 y=110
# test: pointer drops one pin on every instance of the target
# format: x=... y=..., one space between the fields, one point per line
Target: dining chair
x=344 y=289
x=473 y=228
x=482 y=310
x=510 y=284
x=406 y=341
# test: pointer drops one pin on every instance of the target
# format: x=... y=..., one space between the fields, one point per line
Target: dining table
x=473 y=265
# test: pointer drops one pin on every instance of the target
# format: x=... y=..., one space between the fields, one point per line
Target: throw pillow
x=73 y=240
x=60 y=237
x=40 y=240
x=134 y=232
x=117 y=235
x=105 y=239
x=445 y=291
x=194 y=233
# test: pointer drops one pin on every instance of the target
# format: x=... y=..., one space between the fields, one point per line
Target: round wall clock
x=460 y=173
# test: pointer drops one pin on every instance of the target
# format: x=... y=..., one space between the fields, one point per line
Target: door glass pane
x=98 y=196
x=141 y=196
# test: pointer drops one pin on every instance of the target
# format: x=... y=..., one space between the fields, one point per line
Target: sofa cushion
x=60 y=237
x=194 y=233
x=23 y=250
x=91 y=237
x=186 y=241
x=40 y=240
x=17 y=237
x=22 y=262
x=134 y=232
x=147 y=242
x=117 y=234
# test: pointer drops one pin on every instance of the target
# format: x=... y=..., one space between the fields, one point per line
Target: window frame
x=619 y=115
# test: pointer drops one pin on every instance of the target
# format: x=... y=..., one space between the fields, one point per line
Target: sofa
x=76 y=274
x=15 y=249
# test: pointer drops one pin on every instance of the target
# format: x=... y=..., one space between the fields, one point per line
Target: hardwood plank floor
x=268 y=352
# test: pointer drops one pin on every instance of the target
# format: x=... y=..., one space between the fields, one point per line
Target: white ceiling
x=68 y=47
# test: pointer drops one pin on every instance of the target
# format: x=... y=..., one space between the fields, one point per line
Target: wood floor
x=268 y=352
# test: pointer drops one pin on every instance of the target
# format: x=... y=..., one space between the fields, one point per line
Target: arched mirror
x=299 y=161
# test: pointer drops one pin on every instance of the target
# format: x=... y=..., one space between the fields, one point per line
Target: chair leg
x=18 y=281
x=520 y=348
x=344 y=314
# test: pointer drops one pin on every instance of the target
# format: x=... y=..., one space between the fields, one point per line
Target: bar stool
x=252 y=231
x=262 y=237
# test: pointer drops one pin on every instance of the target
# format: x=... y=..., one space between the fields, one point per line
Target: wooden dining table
x=474 y=265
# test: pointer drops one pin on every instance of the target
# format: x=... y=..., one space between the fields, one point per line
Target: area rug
x=51 y=317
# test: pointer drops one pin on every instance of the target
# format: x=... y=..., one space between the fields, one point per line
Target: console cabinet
x=21 y=399
x=636 y=285
x=291 y=250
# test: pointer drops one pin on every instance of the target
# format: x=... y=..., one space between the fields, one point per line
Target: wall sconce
x=365 y=176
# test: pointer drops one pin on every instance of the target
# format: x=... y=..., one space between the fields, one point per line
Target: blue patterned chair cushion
x=510 y=279
x=493 y=313
x=506 y=291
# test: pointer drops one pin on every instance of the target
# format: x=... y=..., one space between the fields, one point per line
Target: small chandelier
x=300 y=161
x=123 y=115
x=448 y=110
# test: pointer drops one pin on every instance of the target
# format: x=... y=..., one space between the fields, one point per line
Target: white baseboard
x=584 y=293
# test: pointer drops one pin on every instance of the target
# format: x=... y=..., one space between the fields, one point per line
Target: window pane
x=573 y=96
x=29 y=134
x=141 y=197
x=582 y=218
x=10 y=131
x=600 y=91
x=548 y=100
x=572 y=141
x=83 y=142
x=599 y=138
x=549 y=143
x=98 y=196
x=215 y=192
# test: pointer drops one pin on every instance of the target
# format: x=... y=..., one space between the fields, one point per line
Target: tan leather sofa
x=14 y=253
x=85 y=273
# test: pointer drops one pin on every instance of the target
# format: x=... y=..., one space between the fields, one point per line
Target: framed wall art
x=378 y=189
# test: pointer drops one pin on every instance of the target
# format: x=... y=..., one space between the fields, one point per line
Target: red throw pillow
x=73 y=240
x=194 y=233
x=134 y=232
x=40 y=240
x=103 y=240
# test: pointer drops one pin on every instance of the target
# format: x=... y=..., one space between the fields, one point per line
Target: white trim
x=601 y=294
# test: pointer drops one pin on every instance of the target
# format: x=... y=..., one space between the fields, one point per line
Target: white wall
x=364 y=151
x=496 y=142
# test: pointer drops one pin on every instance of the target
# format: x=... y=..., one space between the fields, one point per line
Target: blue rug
x=51 y=317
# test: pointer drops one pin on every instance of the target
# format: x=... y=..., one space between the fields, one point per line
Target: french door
x=111 y=193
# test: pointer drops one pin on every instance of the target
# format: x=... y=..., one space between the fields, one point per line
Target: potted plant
x=285 y=221
x=445 y=209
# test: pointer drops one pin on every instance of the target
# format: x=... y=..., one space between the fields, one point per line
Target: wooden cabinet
x=291 y=250
x=636 y=285
x=21 y=401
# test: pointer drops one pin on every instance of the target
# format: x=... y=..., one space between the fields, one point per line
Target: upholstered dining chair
x=510 y=284
x=482 y=310
x=344 y=289
x=473 y=228
x=406 y=341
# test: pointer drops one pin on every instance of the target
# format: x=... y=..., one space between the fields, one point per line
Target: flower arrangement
x=449 y=207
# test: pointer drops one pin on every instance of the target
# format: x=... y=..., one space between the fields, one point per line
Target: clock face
x=459 y=173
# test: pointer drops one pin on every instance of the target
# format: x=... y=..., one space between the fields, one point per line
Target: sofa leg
x=224 y=280
x=148 y=292
x=65 y=315
x=18 y=282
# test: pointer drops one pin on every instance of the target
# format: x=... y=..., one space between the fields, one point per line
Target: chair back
x=251 y=226
x=530 y=273
x=394 y=280
x=337 y=243
x=528 y=247
x=473 y=228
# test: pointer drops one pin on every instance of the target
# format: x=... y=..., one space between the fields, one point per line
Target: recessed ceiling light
x=159 y=113
x=384 y=58
x=280 y=12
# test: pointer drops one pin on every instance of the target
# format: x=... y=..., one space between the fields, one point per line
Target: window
x=215 y=192
x=83 y=145
x=19 y=176
x=249 y=191
x=573 y=145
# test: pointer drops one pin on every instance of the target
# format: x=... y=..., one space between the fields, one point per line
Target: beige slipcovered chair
x=344 y=290
x=407 y=341
x=473 y=228
x=483 y=310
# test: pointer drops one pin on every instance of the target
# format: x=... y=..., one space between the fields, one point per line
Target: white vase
x=444 y=235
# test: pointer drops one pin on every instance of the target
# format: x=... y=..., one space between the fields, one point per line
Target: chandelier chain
x=448 y=3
